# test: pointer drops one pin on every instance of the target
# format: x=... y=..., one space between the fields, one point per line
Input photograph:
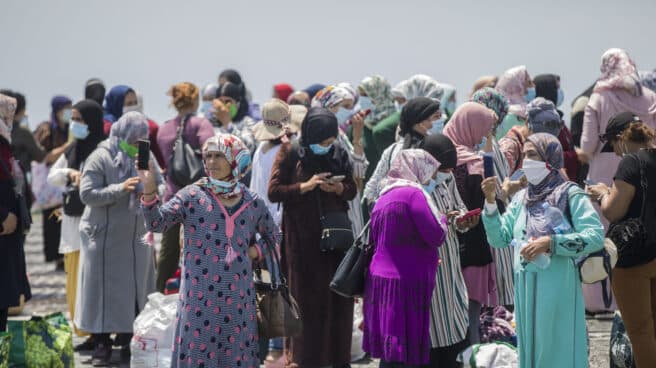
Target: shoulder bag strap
x=643 y=185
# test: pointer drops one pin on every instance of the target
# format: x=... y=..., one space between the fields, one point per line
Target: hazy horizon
x=54 y=47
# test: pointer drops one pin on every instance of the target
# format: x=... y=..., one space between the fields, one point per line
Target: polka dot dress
x=216 y=319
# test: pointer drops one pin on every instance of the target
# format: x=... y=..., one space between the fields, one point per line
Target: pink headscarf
x=511 y=84
x=7 y=110
x=412 y=168
x=466 y=128
x=618 y=71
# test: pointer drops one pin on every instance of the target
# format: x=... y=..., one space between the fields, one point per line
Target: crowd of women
x=458 y=202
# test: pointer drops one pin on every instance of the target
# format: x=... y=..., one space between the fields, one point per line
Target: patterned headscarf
x=553 y=188
x=492 y=99
x=449 y=91
x=239 y=158
x=618 y=71
x=412 y=168
x=543 y=117
x=511 y=84
x=419 y=85
x=7 y=110
x=467 y=127
x=648 y=79
x=333 y=95
x=379 y=90
x=130 y=128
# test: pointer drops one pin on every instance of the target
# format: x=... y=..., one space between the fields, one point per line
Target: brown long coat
x=327 y=317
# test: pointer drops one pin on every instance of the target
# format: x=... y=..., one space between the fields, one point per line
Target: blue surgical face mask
x=205 y=107
x=342 y=115
x=79 y=130
x=530 y=94
x=450 y=107
x=366 y=103
x=442 y=177
x=399 y=106
x=67 y=114
x=430 y=187
x=482 y=145
x=438 y=126
x=561 y=97
x=320 y=150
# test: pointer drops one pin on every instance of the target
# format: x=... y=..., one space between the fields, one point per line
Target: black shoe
x=102 y=355
x=59 y=265
x=125 y=354
x=88 y=345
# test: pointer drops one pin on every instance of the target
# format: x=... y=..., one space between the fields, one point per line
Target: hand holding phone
x=488 y=165
x=473 y=213
x=590 y=182
x=144 y=155
x=336 y=179
x=517 y=175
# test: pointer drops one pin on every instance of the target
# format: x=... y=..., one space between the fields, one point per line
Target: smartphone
x=488 y=164
x=336 y=178
x=517 y=175
x=144 y=154
x=589 y=182
x=366 y=113
x=468 y=215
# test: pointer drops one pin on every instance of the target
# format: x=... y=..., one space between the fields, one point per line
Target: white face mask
x=131 y=108
x=535 y=171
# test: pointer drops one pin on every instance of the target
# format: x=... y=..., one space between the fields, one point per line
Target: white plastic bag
x=491 y=355
x=46 y=196
x=356 y=342
x=154 y=330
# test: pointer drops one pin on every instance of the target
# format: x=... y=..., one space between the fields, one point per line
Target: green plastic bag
x=42 y=342
x=5 y=346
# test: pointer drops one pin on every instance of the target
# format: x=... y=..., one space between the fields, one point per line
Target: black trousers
x=51 y=235
x=4 y=314
x=447 y=356
x=169 y=256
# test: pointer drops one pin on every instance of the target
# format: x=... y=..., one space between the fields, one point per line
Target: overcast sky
x=53 y=47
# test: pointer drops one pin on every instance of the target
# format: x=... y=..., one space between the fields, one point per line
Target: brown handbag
x=278 y=314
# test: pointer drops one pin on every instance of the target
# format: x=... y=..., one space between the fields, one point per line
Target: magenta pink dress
x=401 y=277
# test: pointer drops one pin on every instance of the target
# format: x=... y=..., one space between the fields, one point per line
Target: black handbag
x=73 y=205
x=348 y=280
x=24 y=215
x=186 y=165
x=278 y=314
x=336 y=230
x=630 y=236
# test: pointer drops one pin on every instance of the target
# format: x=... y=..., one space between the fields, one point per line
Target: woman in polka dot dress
x=216 y=319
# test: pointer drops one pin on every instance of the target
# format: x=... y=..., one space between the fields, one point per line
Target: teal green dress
x=549 y=305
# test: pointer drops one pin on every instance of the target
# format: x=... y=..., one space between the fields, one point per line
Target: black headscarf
x=442 y=149
x=237 y=93
x=576 y=122
x=414 y=112
x=546 y=86
x=234 y=77
x=95 y=90
x=92 y=114
x=320 y=124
